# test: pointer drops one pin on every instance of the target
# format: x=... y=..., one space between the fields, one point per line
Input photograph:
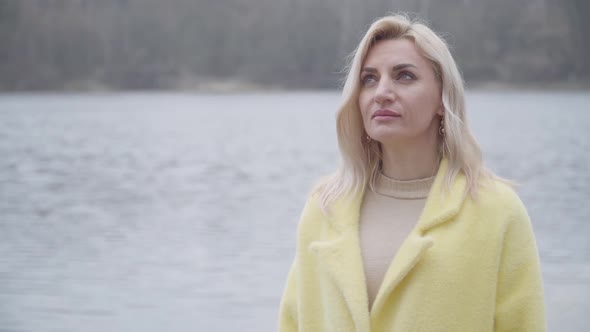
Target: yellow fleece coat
x=467 y=266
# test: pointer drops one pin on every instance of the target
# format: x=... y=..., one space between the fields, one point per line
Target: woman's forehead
x=394 y=51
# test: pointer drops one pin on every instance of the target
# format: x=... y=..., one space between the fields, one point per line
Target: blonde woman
x=412 y=232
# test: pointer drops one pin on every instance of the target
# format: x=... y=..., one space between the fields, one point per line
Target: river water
x=155 y=211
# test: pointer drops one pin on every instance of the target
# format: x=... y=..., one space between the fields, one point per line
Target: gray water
x=153 y=212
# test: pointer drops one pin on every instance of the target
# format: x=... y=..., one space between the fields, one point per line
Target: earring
x=441 y=129
x=368 y=139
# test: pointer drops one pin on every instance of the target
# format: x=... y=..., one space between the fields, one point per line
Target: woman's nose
x=384 y=92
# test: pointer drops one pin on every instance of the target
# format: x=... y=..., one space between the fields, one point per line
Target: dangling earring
x=441 y=129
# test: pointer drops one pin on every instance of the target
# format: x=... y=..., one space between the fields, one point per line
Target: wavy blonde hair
x=361 y=160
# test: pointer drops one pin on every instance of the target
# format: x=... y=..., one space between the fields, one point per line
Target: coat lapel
x=440 y=207
x=408 y=255
x=340 y=255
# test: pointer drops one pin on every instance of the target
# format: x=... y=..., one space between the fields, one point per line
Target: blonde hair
x=361 y=159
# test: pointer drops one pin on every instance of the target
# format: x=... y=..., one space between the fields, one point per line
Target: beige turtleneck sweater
x=387 y=217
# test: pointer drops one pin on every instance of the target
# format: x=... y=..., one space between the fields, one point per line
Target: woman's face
x=399 y=94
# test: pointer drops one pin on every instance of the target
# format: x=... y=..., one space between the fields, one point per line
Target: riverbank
x=232 y=86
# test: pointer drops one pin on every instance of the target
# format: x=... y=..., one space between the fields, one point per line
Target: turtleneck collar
x=404 y=189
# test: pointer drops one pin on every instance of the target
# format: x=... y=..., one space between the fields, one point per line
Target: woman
x=412 y=232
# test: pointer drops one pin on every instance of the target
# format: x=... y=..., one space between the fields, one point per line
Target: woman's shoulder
x=311 y=211
x=498 y=197
x=311 y=208
x=317 y=214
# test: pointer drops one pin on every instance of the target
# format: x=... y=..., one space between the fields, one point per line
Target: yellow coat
x=467 y=266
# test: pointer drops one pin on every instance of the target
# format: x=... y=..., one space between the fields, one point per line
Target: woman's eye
x=368 y=79
x=406 y=76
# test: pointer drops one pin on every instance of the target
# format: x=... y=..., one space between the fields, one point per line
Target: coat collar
x=339 y=247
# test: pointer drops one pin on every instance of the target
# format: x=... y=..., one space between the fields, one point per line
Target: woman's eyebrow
x=403 y=66
x=395 y=68
x=369 y=70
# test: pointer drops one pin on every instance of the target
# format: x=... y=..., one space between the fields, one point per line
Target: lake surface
x=172 y=212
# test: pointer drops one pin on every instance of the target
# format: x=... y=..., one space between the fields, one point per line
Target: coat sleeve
x=288 y=306
x=519 y=299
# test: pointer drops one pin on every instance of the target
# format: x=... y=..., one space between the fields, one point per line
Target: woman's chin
x=387 y=137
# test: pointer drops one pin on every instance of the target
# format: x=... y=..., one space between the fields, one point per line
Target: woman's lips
x=386 y=114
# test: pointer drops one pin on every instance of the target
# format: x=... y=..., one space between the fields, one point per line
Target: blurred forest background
x=195 y=45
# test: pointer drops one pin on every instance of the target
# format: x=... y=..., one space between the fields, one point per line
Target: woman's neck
x=404 y=162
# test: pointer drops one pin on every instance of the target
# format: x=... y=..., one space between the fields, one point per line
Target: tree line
x=180 y=44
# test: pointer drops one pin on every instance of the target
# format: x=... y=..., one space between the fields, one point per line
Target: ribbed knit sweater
x=388 y=214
